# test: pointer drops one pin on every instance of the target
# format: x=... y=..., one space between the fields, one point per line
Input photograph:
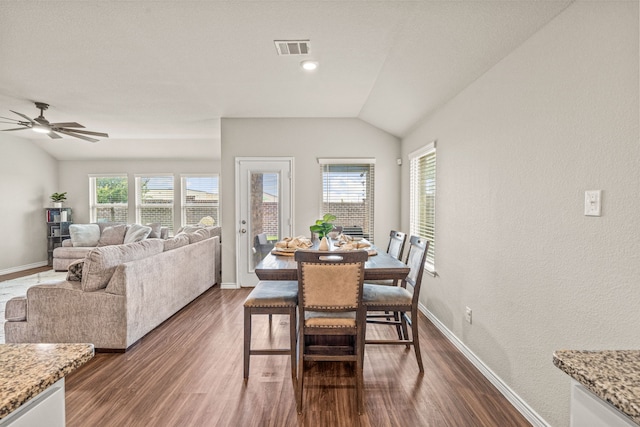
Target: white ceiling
x=159 y=75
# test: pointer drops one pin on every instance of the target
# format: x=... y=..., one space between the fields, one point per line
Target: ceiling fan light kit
x=42 y=125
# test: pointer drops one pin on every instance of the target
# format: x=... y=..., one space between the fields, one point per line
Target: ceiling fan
x=42 y=125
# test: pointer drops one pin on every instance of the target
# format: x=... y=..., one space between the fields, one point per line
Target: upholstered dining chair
x=395 y=248
x=400 y=300
x=330 y=304
x=271 y=297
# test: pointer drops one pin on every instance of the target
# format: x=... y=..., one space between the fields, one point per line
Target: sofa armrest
x=67 y=243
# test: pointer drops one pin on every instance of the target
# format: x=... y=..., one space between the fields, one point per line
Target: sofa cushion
x=101 y=262
x=190 y=228
x=84 y=234
x=179 y=240
x=198 y=236
x=113 y=235
x=74 y=273
x=16 y=309
x=136 y=232
x=156 y=230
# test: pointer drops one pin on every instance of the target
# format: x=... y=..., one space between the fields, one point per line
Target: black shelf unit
x=58 y=222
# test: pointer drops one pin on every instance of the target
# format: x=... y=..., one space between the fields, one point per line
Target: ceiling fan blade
x=14 y=129
x=67 y=125
x=22 y=115
x=71 y=133
x=86 y=132
x=9 y=118
x=54 y=135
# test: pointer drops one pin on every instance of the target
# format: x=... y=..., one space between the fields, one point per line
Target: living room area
x=529 y=106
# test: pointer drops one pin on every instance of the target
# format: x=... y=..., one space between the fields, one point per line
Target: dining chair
x=330 y=304
x=400 y=299
x=395 y=247
x=271 y=297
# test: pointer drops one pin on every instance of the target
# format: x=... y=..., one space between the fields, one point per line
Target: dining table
x=380 y=266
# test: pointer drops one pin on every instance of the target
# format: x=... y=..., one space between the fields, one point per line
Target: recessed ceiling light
x=309 y=65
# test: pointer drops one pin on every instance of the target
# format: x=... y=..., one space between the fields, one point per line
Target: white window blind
x=109 y=198
x=423 y=198
x=154 y=200
x=200 y=198
x=348 y=188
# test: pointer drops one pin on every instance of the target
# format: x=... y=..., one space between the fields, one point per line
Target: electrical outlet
x=467 y=314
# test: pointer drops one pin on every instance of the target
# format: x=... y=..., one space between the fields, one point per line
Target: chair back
x=397 y=240
x=418 y=247
x=330 y=281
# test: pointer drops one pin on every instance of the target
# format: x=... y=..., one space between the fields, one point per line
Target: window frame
x=183 y=197
x=93 y=195
x=369 y=164
x=138 y=197
x=430 y=173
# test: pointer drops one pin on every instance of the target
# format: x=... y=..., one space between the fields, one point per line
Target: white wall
x=28 y=176
x=306 y=140
x=516 y=151
x=74 y=178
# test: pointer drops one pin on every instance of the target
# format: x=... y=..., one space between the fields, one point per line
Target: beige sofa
x=71 y=251
x=124 y=292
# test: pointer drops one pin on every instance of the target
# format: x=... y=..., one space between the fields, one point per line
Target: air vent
x=292 y=47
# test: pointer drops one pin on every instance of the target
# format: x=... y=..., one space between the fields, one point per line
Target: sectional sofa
x=117 y=293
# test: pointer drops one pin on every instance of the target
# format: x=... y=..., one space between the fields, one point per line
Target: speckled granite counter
x=614 y=376
x=28 y=369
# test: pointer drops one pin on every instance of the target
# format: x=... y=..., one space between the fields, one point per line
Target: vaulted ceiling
x=159 y=75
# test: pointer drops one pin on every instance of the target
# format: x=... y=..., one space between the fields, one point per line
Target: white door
x=263 y=210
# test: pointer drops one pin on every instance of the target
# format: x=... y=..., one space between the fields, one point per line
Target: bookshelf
x=58 y=222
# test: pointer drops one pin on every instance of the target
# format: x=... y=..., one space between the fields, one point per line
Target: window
x=423 y=198
x=200 y=198
x=109 y=200
x=348 y=193
x=154 y=200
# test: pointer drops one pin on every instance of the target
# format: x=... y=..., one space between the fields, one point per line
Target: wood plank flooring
x=188 y=372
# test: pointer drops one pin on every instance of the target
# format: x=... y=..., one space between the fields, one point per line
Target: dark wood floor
x=23 y=273
x=188 y=372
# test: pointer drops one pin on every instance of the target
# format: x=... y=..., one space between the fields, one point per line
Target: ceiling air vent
x=292 y=47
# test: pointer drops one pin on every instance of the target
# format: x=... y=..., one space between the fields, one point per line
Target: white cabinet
x=588 y=410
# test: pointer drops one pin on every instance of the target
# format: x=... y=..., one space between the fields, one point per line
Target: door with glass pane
x=263 y=213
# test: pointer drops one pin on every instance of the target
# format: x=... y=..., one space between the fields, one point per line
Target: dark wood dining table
x=378 y=267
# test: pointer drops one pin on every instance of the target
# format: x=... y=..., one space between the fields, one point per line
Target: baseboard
x=23 y=267
x=522 y=406
x=228 y=286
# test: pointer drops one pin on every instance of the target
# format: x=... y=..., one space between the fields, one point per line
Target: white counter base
x=45 y=409
x=588 y=410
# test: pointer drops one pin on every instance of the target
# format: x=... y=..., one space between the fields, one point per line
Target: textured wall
x=28 y=176
x=516 y=151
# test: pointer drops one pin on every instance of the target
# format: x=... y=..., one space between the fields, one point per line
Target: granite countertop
x=28 y=369
x=613 y=376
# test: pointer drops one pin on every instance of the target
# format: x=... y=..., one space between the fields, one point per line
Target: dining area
x=331 y=291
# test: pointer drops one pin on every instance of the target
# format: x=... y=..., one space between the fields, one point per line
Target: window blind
x=423 y=198
x=348 y=193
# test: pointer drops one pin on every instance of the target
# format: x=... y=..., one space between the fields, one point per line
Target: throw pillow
x=101 y=263
x=113 y=235
x=180 y=239
x=190 y=228
x=156 y=230
x=136 y=232
x=198 y=235
x=83 y=235
x=75 y=271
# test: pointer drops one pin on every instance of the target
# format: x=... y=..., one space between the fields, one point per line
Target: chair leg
x=403 y=322
x=416 y=342
x=247 y=341
x=292 y=343
x=360 y=364
x=300 y=372
x=396 y=318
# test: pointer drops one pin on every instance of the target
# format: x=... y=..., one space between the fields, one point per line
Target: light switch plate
x=592 y=202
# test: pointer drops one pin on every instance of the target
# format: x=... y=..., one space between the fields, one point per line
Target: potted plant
x=323 y=226
x=58 y=198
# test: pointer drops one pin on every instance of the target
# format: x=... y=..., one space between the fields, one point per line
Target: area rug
x=18 y=287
